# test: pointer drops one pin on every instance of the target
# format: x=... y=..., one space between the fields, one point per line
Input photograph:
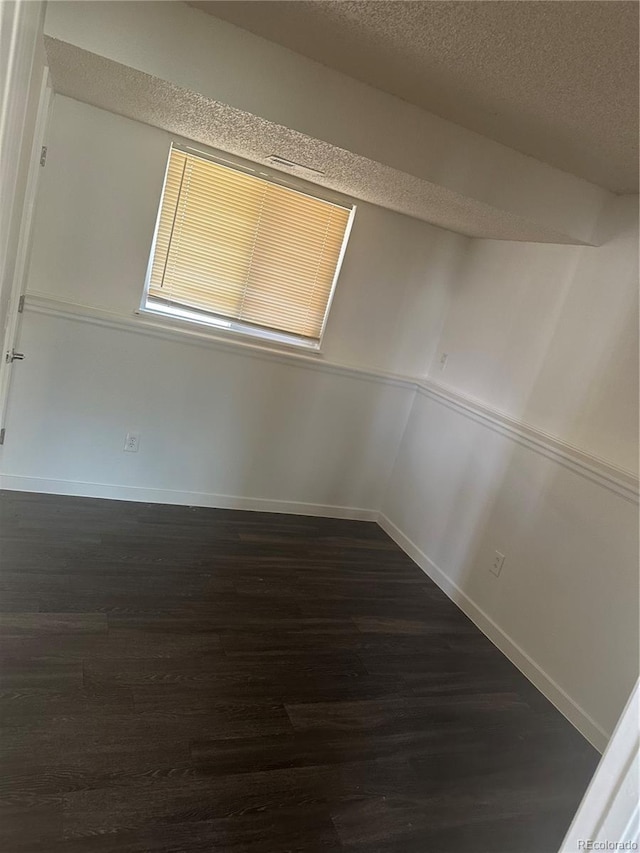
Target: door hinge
x=2 y=435
x=43 y=155
x=21 y=304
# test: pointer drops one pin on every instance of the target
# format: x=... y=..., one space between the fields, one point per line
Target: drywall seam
x=619 y=481
x=576 y=715
x=111 y=491
x=386 y=486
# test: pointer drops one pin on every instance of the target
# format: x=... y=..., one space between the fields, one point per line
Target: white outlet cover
x=498 y=563
x=132 y=442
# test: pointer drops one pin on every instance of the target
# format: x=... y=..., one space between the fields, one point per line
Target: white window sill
x=230 y=331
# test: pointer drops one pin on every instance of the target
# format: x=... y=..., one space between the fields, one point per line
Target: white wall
x=185 y=46
x=213 y=423
x=214 y=420
x=548 y=336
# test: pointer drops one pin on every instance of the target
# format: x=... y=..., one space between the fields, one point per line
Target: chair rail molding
x=620 y=481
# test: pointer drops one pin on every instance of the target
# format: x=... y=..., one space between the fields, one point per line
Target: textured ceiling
x=555 y=80
x=110 y=85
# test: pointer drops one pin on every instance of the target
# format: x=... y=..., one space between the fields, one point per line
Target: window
x=236 y=251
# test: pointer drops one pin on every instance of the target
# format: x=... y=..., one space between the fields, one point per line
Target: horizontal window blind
x=236 y=246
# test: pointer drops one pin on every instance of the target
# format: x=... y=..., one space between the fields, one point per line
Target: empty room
x=319 y=426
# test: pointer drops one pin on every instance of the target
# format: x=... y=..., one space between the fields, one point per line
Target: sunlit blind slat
x=236 y=246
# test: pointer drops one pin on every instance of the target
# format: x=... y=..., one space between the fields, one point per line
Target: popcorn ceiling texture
x=115 y=87
x=555 y=80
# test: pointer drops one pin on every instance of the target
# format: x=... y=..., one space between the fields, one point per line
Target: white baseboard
x=576 y=715
x=181 y=498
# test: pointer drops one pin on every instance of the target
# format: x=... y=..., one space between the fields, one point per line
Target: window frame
x=229 y=327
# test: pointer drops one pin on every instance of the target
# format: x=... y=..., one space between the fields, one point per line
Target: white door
x=26 y=95
x=609 y=815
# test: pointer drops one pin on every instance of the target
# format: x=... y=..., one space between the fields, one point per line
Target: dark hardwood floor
x=178 y=680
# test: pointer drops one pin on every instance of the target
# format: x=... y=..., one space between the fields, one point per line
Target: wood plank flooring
x=178 y=679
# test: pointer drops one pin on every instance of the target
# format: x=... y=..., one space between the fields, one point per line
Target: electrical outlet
x=498 y=563
x=132 y=442
x=443 y=360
